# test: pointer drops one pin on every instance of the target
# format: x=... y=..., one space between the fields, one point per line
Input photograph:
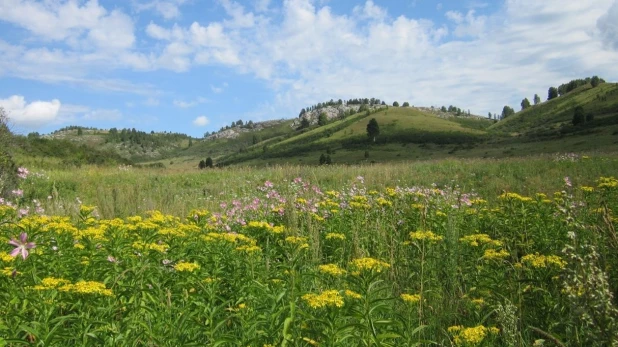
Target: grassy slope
x=601 y=102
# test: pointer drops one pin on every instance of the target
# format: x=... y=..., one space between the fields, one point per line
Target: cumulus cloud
x=31 y=115
x=168 y=9
x=608 y=27
x=201 y=121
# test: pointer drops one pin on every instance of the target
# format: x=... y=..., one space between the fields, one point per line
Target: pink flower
x=18 y=192
x=567 y=182
x=22 y=246
x=268 y=184
x=22 y=172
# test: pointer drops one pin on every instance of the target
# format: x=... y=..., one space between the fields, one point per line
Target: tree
x=322 y=159
x=373 y=129
x=304 y=123
x=525 y=103
x=552 y=93
x=507 y=111
x=80 y=132
x=190 y=142
x=595 y=81
x=209 y=162
x=443 y=109
x=406 y=104
x=537 y=99
x=579 y=116
x=322 y=119
x=328 y=161
x=202 y=164
x=255 y=139
x=395 y=104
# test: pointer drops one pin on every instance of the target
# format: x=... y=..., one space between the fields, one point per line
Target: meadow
x=479 y=252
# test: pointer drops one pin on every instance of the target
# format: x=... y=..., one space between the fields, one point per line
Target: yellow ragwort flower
x=411 y=298
x=188 y=267
x=425 y=236
x=369 y=264
x=326 y=298
x=332 y=269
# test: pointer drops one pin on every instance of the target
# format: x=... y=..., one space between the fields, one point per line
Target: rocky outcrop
x=331 y=112
x=234 y=132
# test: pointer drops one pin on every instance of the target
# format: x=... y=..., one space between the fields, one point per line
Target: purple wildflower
x=22 y=246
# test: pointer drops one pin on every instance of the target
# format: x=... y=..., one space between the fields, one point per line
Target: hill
x=550 y=117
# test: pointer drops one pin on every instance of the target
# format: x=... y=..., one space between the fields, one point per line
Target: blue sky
x=193 y=66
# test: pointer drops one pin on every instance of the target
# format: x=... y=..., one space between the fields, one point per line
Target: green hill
x=549 y=117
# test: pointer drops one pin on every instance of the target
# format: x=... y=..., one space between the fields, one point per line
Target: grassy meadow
x=456 y=252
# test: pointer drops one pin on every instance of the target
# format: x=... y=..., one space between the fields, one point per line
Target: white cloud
x=608 y=27
x=201 y=121
x=168 y=9
x=31 y=115
x=188 y=104
x=103 y=115
x=468 y=25
x=218 y=90
x=152 y=102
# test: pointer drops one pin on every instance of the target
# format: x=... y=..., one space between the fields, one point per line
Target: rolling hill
x=406 y=133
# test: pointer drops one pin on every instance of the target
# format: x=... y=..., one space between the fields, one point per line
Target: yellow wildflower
x=411 y=298
x=188 y=267
x=425 y=235
x=332 y=269
x=6 y=258
x=470 y=336
x=479 y=239
x=492 y=254
x=324 y=299
x=335 y=236
x=87 y=287
x=542 y=261
x=369 y=264
x=352 y=294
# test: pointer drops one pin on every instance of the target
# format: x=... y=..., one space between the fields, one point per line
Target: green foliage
x=373 y=129
x=537 y=99
x=525 y=103
x=579 y=117
x=507 y=111
x=405 y=104
x=552 y=93
x=209 y=163
x=304 y=124
x=322 y=119
x=395 y=104
x=8 y=169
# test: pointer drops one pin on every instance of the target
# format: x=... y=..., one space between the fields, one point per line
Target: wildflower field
x=357 y=257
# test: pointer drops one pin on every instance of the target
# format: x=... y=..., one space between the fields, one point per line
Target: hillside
x=550 y=116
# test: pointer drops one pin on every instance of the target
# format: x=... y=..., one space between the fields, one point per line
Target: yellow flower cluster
x=142 y=246
x=480 y=239
x=515 y=197
x=301 y=242
x=228 y=237
x=324 y=299
x=425 y=236
x=5 y=257
x=586 y=189
x=411 y=298
x=335 y=236
x=186 y=267
x=607 y=182
x=7 y=271
x=86 y=210
x=265 y=226
x=542 y=261
x=51 y=283
x=249 y=249
x=332 y=269
x=383 y=202
x=471 y=336
x=87 y=287
x=492 y=254
x=352 y=294
x=92 y=233
x=369 y=264
x=159 y=218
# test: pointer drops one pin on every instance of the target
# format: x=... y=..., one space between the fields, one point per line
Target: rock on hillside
x=234 y=132
x=332 y=112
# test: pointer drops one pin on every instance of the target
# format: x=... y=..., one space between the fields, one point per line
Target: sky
x=193 y=66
